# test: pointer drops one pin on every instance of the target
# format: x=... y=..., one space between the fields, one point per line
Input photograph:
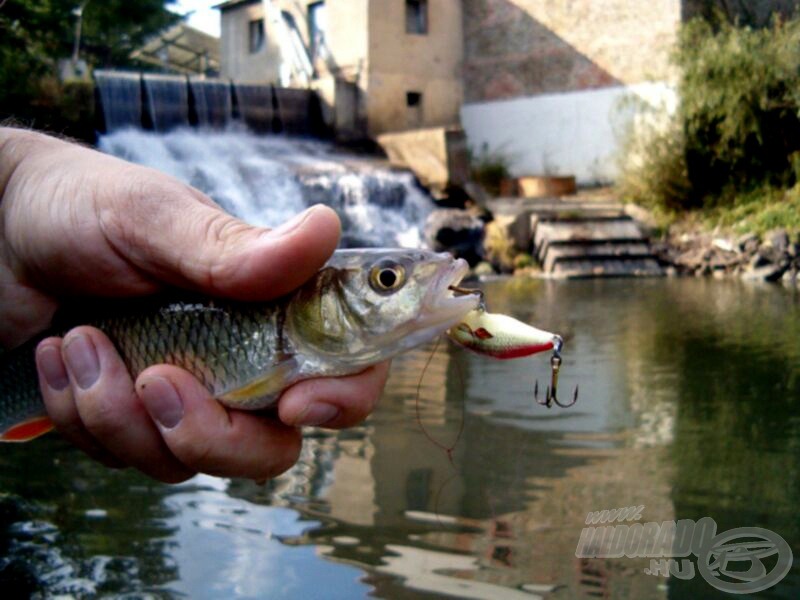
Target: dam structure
x=260 y=151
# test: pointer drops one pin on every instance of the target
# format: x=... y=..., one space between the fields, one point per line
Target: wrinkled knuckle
x=101 y=418
x=126 y=218
x=223 y=233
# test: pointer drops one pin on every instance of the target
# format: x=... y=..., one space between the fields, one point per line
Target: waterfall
x=167 y=99
x=256 y=107
x=265 y=180
x=120 y=97
x=212 y=101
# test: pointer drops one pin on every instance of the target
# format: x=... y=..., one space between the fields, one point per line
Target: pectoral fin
x=261 y=391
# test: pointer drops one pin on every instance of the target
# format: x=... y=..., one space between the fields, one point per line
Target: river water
x=689 y=407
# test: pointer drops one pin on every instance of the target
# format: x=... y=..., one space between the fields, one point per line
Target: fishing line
x=447 y=449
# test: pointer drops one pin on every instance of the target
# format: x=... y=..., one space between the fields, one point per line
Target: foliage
x=735 y=140
x=654 y=171
x=746 y=13
x=740 y=101
x=35 y=34
x=759 y=211
x=489 y=168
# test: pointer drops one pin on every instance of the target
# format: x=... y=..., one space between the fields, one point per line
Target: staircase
x=587 y=238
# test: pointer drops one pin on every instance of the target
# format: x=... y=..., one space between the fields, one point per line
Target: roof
x=181 y=49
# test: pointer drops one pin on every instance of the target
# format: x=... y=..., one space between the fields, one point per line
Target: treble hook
x=551 y=395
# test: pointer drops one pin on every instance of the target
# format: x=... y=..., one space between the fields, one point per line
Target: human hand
x=75 y=222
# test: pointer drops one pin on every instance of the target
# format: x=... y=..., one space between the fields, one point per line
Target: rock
x=692 y=259
x=758 y=260
x=770 y=272
x=748 y=243
x=778 y=239
x=476 y=193
x=482 y=268
x=456 y=231
x=771 y=254
x=790 y=277
x=723 y=244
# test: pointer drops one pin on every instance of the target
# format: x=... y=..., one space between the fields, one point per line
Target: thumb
x=192 y=243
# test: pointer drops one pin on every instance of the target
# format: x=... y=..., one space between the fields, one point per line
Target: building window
x=316 y=27
x=256 y=35
x=413 y=109
x=417 y=16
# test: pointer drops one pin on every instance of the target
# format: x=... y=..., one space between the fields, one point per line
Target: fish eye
x=387 y=277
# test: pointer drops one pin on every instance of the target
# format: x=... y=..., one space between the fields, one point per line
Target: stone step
x=516 y=206
x=585 y=230
x=577 y=268
x=599 y=250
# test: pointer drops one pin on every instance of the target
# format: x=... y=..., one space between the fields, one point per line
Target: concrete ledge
x=437 y=156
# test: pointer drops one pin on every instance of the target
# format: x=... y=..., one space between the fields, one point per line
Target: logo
x=744 y=560
x=745 y=547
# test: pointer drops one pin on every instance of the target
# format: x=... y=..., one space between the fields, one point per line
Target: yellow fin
x=261 y=391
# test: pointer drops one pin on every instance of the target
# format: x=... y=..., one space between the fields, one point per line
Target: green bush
x=737 y=129
x=489 y=168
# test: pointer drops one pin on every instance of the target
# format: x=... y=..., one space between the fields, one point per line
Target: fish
x=362 y=307
x=501 y=336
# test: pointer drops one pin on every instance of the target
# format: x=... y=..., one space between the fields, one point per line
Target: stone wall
x=516 y=48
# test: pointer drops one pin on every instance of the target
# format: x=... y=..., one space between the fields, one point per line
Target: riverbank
x=773 y=256
x=504 y=243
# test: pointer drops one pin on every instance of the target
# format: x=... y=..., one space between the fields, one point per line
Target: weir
x=220 y=137
x=164 y=102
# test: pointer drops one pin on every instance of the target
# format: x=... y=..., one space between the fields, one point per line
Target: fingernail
x=317 y=414
x=162 y=401
x=52 y=368
x=292 y=223
x=82 y=361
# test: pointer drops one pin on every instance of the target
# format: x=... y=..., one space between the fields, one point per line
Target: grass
x=758 y=212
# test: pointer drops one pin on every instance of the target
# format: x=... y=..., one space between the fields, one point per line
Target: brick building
x=547 y=82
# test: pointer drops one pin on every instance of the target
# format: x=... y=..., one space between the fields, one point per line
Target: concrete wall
x=574 y=133
x=518 y=48
x=237 y=62
x=400 y=62
x=546 y=80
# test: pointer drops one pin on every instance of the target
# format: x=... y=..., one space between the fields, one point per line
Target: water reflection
x=688 y=406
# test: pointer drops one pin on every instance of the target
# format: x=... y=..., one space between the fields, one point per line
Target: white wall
x=576 y=133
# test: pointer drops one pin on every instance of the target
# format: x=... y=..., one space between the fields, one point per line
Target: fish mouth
x=441 y=307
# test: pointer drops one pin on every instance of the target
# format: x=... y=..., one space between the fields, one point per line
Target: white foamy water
x=265 y=180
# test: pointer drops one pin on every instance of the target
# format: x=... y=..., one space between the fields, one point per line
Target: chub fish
x=361 y=308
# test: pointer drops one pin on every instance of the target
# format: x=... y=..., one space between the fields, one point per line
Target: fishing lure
x=504 y=337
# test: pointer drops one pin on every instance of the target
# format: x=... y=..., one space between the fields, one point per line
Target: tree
x=34 y=34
